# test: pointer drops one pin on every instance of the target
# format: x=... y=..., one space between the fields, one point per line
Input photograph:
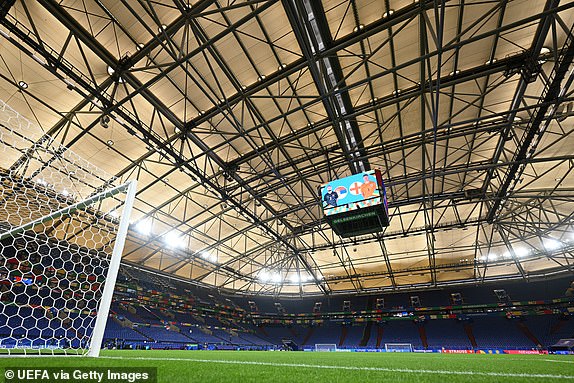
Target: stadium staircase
x=344 y=331
x=125 y=322
x=470 y=335
x=367 y=331
x=380 y=331
x=524 y=328
x=262 y=330
x=366 y=335
x=188 y=337
x=152 y=313
x=558 y=326
x=423 y=336
x=142 y=334
x=309 y=335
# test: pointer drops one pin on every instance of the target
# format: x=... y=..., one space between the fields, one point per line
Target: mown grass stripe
x=559 y=361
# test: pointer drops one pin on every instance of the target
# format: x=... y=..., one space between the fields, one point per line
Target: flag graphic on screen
x=355 y=188
x=341 y=192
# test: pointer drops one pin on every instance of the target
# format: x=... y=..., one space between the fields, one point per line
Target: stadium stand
x=500 y=333
x=212 y=320
x=353 y=337
x=447 y=333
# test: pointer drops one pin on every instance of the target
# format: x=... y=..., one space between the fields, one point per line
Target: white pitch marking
x=354 y=368
x=559 y=361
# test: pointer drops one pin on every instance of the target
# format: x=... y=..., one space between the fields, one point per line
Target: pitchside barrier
x=450 y=351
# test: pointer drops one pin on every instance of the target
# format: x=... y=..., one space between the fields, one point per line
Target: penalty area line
x=353 y=368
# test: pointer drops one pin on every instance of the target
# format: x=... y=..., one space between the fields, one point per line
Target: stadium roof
x=230 y=114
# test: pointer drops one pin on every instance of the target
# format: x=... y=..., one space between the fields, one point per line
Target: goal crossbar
x=67 y=210
x=325 y=347
x=398 y=347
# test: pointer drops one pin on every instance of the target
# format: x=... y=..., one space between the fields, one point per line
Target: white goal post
x=398 y=347
x=326 y=347
x=63 y=225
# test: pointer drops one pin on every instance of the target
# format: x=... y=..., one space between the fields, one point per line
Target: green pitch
x=276 y=367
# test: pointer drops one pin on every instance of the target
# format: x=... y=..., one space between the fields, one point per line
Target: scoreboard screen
x=355 y=192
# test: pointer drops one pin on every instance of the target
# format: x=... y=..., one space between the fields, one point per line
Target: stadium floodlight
x=521 y=252
x=144 y=227
x=543 y=52
x=59 y=257
x=276 y=277
x=294 y=278
x=552 y=244
x=492 y=257
x=264 y=276
x=173 y=239
x=267 y=276
x=208 y=256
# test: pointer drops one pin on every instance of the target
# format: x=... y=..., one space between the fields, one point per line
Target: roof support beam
x=132 y=122
x=308 y=21
x=551 y=99
x=532 y=57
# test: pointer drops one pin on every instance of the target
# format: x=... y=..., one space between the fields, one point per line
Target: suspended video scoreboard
x=356 y=205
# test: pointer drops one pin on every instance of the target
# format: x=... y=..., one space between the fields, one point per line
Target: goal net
x=398 y=347
x=63 y=223
x=325 y=347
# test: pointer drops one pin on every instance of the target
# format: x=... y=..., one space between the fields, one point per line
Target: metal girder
x=128 y=77
x=160 y=145
x=308 y=21
x=369 y=30
x=279 y=161
x=408 y=93
x=550 y=99
x=533 y=52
